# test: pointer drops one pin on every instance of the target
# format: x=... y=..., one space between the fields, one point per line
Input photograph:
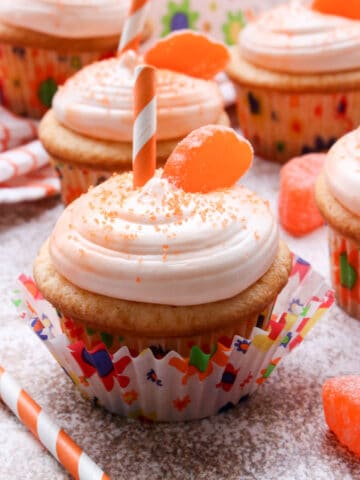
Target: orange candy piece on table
x=345 y=8
x=341 y=402
x=298 y=212
x=190 y=53
x=209 y=158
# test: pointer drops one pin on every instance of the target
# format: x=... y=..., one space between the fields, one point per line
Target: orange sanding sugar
x=208 y=159
x=346 y=8
x=189 y=52
x=298 y=212
x=341 y=401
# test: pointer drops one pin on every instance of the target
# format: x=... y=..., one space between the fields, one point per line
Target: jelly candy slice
x=298 y=212
x=189 y=52
x=210 y=158
x=346 y=8
x=341 y=401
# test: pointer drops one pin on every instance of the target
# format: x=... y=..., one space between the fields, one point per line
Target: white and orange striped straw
x=134 y=26
x=57 y=442
x=144 y=134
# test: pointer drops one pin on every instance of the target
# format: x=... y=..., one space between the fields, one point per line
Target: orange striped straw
x=144 y=136
x=57 y=442
x=134 y=26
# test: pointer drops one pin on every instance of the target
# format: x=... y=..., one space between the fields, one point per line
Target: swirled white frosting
x=294 y=38
x=159 y=244
x=98 y=101
x=67 y=18
x=342 y=171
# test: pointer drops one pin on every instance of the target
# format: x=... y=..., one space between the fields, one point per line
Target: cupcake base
x=345 y=272
x=154 y=387
x=287 y=115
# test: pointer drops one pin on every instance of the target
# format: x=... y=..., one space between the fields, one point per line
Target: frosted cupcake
x=297 y=73
x=43 y=42
x=162 y=267
x=337 y=195
x=164 y=293
x=88 y=133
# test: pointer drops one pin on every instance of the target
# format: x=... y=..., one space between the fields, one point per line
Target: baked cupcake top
x=98 y=101
x=67 y=18
x=293 y=38
x=166 y=244
x=342 y=171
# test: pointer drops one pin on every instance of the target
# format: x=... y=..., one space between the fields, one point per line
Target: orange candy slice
x=189 y=52
x=298 y=212
x=345 y=8
x=341 y=402
x=210 y=158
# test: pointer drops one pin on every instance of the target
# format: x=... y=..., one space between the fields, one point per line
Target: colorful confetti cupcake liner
x=345 y=272
x=283 y=125
x=75 y=181
x=154 y=387
x=91 y=338
x=29 y=77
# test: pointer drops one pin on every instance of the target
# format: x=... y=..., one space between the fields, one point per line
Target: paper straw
x=144 y=141
x=134 y=26
x=57 y=442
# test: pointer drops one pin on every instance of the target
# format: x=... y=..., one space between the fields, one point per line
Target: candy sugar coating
x=298 y=212
x=208 y=159
x=347 y=8
x=190 y=53
x=341 y=402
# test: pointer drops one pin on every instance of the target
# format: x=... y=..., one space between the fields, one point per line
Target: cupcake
x=88 y=133
x=337 y=195
x=160 y=266
x=297 y=73
x=43 y=42
x=158 y=300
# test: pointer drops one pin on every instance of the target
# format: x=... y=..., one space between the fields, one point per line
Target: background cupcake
x=43 y=42
x=88 y=133
x=337 y=195
x=298 y=77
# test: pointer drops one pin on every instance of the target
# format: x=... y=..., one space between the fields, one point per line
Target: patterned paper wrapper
x=171 y=387
x=283 y=125
x=29 y=77
x=75 y=181
x=345 y=272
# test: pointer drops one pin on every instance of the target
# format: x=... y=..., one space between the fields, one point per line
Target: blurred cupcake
x=164 y=293
x=297 y=73
x=337 y=195
x=43 y=42
x=88 y=133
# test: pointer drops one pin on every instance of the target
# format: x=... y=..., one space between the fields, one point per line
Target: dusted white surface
x=278 y=433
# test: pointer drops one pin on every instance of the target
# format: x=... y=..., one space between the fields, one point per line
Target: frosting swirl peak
x=67 y=18
x=159 y=244
x=294 y=38
x=98 y=101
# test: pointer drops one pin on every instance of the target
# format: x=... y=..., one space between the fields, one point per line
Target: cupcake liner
x=282 y=125
x=75 y=180
x=29 y=77
x=173 y=387
x=76 y=331
x=345 y=272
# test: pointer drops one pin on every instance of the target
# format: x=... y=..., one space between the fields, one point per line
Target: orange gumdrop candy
x=298 y=212
x=345 y=8
x=341 y=402
x=210 y=158
x=189 y=52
